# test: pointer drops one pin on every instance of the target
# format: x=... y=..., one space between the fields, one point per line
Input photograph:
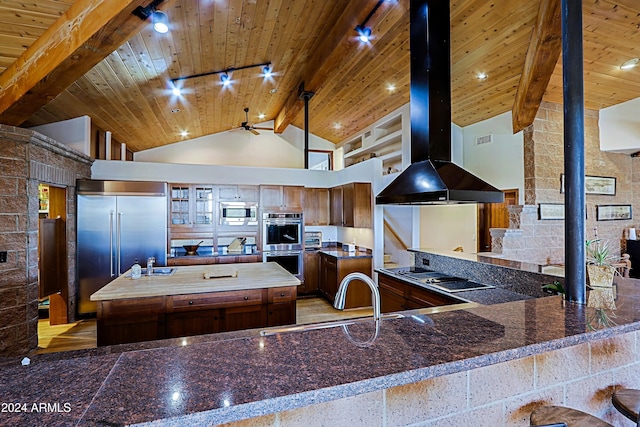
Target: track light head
x=364 y=33
x=226 y=81
x=160 y=21
x=267 y=71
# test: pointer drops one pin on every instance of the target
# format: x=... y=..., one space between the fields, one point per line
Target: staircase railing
x=395 y=234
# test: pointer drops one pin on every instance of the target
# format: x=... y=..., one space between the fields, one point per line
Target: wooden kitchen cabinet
x=282 y=198
x=130 y=320
x=237 y=193
x=204 y=260
x=335 y=208
x=397 y=295
x=334 y=269
x=191 y=207
x=351 y=205
x=281 y=306
x=316 y=206
x=311 y=273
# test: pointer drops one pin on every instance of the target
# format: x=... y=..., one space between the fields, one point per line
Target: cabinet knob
x=281 y=294
x=246 y=298
x=190 y=302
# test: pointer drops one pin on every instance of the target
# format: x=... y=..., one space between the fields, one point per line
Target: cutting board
x=219 y=271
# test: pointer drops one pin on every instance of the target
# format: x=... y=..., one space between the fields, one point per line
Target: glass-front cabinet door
x=192 y=206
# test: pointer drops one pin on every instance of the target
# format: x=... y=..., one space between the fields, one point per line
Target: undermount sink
x=325 y=325
x=160 y=271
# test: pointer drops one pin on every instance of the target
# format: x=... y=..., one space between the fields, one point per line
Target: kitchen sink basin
x=325 y=325
x=160 y=271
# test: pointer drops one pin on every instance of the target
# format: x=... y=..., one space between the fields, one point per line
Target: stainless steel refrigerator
x=119 y=222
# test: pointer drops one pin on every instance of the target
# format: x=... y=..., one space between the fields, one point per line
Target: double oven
x=283 y=240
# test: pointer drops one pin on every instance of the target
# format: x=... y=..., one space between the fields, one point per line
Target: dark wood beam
x=542 y=56
x=336 y=46
x=82 y=37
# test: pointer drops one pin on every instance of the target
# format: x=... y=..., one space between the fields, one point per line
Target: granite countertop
x=340 y=254
x=219 y=378
x=190 y=280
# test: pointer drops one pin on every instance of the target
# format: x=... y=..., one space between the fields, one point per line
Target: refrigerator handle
x=111 y=243
x=118 y=231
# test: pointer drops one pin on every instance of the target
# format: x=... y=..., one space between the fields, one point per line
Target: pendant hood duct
x=432 y=178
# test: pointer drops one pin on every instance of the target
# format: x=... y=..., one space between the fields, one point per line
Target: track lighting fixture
x=159 y=18
x=225 y=78
x=364 y=32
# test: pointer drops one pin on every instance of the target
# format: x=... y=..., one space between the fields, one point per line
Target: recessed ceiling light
x=337 y=126
x=184 y=133
x=630 y=64
x=482 y=76
x=391 y=87
x=274 y=90
x=175 y=110
x=261 y=116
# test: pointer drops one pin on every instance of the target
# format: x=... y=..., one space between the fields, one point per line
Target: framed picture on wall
x=603 y=185
x=613 y=212
x=550 y=211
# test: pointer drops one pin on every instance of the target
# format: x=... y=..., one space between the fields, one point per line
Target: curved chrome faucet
x=341 y=295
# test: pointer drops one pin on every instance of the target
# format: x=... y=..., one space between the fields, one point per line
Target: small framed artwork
x=550 y=211
x=613 y=212
x=603 y=185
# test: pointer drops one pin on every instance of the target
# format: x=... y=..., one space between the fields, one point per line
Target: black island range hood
x=432 y=178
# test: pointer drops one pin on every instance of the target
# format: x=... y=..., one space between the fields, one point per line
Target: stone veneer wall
x=542 y=241
x=27 y=159
x=583 y=377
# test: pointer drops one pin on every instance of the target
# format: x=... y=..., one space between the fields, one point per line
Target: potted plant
x=600 y=270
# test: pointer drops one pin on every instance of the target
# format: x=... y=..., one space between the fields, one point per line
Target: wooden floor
x=82 y=334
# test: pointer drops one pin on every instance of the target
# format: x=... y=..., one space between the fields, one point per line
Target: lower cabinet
x=334 y=269
x=396 y=295
x=311 y=273
x=152 y=318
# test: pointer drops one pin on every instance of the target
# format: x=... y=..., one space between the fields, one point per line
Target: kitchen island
x=193 y=300
x=484 y=365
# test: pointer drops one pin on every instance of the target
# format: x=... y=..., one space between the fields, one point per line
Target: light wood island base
x=185 y=303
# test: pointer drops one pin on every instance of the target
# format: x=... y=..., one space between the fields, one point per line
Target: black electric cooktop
x=438 y=280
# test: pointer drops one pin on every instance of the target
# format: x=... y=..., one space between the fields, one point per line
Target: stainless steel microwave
x=238 y=214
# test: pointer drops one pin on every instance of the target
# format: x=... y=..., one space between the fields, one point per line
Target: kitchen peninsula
x=193 y=300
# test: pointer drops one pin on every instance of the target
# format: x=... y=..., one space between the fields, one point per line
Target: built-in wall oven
x=283 y=241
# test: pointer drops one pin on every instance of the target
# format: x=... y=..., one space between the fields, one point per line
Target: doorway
x=494 y=215
x=53 y=287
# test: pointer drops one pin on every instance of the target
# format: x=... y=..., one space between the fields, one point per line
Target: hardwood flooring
x=82 y=334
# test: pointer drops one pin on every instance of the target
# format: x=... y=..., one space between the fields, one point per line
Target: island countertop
x=190 y=280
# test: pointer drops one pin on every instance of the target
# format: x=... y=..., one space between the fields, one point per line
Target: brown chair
x=554 y=415
x=627 y=401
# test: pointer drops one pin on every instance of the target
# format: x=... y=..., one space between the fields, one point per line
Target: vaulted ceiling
x=62 y=59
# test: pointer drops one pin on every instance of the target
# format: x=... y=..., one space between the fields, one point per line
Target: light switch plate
x=3 y=256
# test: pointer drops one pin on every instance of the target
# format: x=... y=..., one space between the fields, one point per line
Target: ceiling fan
x=250 y=127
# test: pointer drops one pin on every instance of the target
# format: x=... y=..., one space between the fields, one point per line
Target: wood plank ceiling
x=128 y=93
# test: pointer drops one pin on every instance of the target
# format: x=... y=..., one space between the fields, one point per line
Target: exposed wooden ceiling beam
x=336 y=45
x=543 y=53
x=88 y=32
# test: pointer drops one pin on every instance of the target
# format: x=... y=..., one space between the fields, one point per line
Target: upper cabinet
x=316 y=206
x=192 y=206
x=351 y=205
x=237 y=193
x=386 y=140
x=281 y=198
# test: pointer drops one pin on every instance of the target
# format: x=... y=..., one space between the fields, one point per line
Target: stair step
x=387 y=258
x=391 y=265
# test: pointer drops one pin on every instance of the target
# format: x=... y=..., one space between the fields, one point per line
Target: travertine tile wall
x=542 y=241
x=26 y=160
x=582 y=377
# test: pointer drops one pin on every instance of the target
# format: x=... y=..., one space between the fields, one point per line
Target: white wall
x=449 y=226
x=501 y=162
x=239 y=148
x=620 y=127
x=74 y=133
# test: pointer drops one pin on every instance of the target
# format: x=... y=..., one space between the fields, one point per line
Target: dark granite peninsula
x=494 y=363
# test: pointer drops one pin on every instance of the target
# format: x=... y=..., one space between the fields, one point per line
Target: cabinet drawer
x=284 y=294
x=131 y=306
x=215 y=300
x=430 y=299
